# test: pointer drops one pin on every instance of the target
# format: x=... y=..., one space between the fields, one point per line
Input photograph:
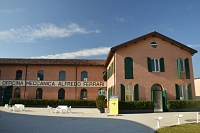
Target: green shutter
x=136 y=93
x=7 y=94
x=189 y=92
x=128 y=66
x=187 y=68
x=149 y=64
x=122 y=92
x=152 y=95
x=164 y=98
x=179 y=68
x=177 y=92
x=162 y=66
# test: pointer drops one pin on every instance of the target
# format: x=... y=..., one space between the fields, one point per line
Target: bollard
x=179 y=116
x=198 y=117
x=158 y=121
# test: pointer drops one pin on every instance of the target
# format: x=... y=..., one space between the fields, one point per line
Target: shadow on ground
x=21 y=123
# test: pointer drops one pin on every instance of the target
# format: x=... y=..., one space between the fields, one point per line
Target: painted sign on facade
x=53 y=83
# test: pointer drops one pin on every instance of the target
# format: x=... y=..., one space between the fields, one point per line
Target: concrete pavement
x=85 y=120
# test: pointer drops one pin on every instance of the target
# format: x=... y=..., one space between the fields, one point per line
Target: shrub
x=101 y=101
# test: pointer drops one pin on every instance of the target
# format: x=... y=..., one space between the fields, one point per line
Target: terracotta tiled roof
x=62 y=62
x=154 y=33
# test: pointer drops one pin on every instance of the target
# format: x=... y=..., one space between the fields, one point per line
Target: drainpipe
x=25 y=81
x=76 y=82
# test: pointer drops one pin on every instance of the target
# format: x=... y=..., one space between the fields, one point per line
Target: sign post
x=114 y=105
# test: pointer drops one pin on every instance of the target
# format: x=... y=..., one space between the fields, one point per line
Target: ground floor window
x=102 y=92
x=61 y=93
x=83 y=94
x=17 y=93
x=183 y=92
x=39 y=93
x=129 y=93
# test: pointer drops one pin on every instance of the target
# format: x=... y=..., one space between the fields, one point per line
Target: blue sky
x=86 y=29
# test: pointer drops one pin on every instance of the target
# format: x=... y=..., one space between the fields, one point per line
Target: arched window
x=102 y=92
x=84 y=75
x=61 y=93
x=62 y=75
x=39 y=93
x=129 y=93
x=83 y=94
x=156 y=87
x=18 y=75
x=128 y=66
x=40 y=75
x=17 y=93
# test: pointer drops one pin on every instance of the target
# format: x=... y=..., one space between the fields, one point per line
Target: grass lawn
x=183 y=128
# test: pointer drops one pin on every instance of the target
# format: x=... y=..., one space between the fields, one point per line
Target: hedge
x=52 y=102
x=136 y=105
x=183 y=104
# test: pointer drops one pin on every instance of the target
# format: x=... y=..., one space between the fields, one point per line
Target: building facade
x=150 y=67
x=197 y=88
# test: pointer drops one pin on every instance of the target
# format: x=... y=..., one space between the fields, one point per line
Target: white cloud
x=121 y=20
x=44 y=30
x=170 y=29
x=78 y=54
x=12 y=10
x=193 y=46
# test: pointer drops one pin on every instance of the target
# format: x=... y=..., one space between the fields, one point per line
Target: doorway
x=157 y=97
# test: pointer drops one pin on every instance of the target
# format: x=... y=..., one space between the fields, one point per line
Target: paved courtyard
x=85 y=120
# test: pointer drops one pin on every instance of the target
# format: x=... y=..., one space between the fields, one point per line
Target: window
x=0 y=73
x=40 y=75
x=18 y=75
x=182 y=65
x=129 y=93
x=61 y=93
x=102 y=92
x=62 y=75
x=83 y=94
x=1 y=93
x=154 y=44
x=84 y=76
x=155 y=65
x=39 y=93
x=128 y=66
x=183 y=92
x=17 y=93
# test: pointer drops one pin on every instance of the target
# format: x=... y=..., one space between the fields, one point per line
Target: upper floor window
x=62 y=75
x=154 y=44
x=155 y=65
x=40 y=75
x=182 y=67
x=18 y=75
x=84 y=75
x=128 y=66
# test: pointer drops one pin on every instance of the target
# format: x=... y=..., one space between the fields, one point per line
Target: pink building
x=150 y=67
x=197 y=88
